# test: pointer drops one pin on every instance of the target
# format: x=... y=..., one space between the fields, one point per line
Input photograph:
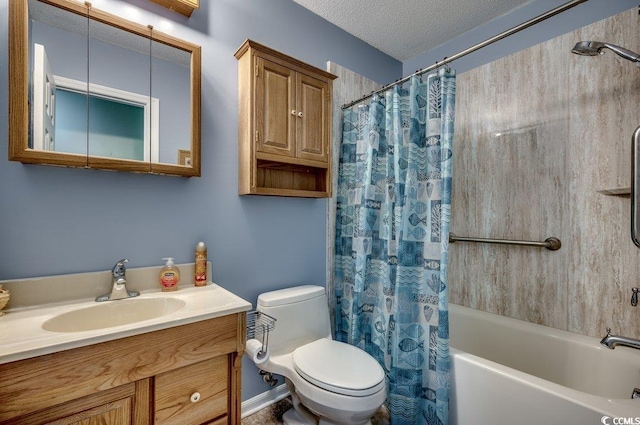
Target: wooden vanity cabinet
x=188 y=374
x=284 y=124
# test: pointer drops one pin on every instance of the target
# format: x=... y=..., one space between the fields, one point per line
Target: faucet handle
x=608 y=330
x=634 y=296
x=119 y=269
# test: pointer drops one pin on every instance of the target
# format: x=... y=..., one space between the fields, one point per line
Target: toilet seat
x=338 y=367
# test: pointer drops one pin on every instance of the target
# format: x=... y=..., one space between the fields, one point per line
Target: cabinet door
x=275 y=108
x=123 y=405
x=116 y=413
x=313 y=126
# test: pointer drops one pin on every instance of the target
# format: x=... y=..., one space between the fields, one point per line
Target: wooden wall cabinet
x=188 y=374
x=284 y=124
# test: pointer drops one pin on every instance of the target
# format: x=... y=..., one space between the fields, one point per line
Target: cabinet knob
x=300 y=114
x=293 y=112
x=195 y=397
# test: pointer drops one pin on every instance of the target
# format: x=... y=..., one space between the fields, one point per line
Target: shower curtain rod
x=472 y=49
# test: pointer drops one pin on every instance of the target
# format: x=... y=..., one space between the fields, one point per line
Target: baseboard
x=263 y=400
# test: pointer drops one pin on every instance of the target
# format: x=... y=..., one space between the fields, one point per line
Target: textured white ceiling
x=406 y=28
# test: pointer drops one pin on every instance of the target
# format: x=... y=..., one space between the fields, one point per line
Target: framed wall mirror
x=90 y=89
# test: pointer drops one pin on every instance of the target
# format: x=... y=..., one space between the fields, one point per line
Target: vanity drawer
x=193 y=394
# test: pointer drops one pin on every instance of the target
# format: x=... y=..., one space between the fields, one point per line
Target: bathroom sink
x=113 y=313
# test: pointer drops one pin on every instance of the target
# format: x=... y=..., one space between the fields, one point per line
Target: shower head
x=587 y=48
x=594 y=48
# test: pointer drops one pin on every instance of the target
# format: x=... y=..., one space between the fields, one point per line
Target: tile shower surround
x=537 y=133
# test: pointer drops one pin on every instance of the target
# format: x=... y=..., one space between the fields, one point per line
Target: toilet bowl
x=330 y=382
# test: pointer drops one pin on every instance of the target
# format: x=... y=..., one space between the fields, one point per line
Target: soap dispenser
x=169 y=276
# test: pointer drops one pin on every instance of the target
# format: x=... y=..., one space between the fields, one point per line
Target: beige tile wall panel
x=509 y=173
x=537 y=134
x=604 y=114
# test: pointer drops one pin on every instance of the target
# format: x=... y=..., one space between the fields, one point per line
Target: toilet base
x=326 y=422
x=291 y=417
x=300 y=414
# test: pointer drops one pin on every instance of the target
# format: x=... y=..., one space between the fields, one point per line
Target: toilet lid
x=338 y=367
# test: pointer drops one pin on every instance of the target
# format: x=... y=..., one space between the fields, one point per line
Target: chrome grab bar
x=635 y=187
x=552 y=244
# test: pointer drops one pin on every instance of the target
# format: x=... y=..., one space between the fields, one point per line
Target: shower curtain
x=392 y=226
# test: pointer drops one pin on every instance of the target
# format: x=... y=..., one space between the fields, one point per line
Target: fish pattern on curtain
x=392 y=226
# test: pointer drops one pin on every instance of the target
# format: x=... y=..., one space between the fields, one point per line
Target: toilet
x=330 y=382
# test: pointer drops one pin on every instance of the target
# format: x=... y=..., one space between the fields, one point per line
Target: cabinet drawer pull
x=195 y=397
x=293 y=112
x=300 y=114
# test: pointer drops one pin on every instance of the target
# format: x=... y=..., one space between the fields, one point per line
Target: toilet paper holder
x=259 y=325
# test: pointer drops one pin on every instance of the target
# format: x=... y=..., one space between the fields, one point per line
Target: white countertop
x=22 y=336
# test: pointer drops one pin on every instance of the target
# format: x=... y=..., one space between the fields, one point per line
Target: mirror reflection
x=58 y=50
x=171 y=80
x=121 y=121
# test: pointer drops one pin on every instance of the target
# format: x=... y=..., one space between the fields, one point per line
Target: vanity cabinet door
x=193 y=394
x=115 y=413
x=122 y=405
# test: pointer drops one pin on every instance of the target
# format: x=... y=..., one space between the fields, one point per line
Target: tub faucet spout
x=610 y=341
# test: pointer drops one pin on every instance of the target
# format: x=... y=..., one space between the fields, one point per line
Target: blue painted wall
x=58 y=220
x=577 y=17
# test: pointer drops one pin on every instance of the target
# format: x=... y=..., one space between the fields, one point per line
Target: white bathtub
x=507 y=371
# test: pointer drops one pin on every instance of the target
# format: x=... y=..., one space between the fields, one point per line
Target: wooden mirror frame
x=19 y=94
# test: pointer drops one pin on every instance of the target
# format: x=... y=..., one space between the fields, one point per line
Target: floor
x=272 y=415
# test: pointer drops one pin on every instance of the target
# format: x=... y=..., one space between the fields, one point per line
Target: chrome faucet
x=119 y=290
x=610 y=341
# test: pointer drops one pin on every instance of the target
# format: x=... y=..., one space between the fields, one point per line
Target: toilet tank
x=301 y=313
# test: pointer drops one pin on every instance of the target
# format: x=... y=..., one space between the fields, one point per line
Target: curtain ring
x=446 y=65
x=443 y=65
